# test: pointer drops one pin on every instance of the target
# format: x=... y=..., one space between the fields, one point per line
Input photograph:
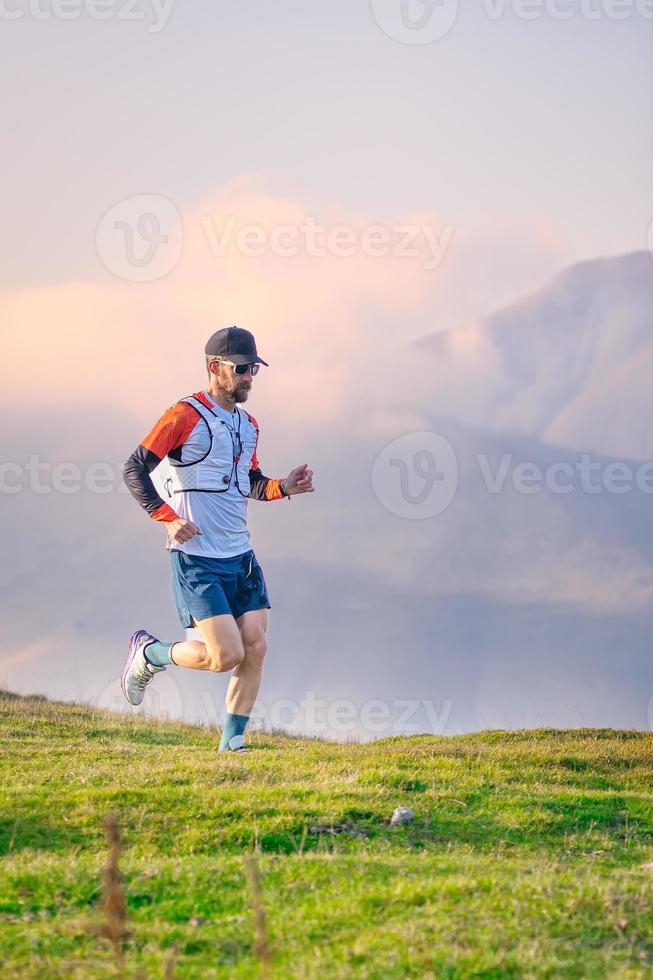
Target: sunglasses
x=240 y=368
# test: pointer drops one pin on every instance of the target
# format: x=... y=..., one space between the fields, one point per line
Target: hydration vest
x=227 y=461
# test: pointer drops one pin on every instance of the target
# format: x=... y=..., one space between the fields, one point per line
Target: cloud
x=336 y=329
x=94 y=363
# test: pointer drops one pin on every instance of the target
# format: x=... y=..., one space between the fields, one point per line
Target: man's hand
x=181 y=531
x=299 y=480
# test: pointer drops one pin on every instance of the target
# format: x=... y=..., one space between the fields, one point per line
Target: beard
x=237 y=394
x=241 y=394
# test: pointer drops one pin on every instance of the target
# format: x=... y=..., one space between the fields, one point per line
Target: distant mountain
x=514 y=604
x=507 y=608
x=571 y=364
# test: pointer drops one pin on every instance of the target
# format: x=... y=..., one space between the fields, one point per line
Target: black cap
x=234 y=344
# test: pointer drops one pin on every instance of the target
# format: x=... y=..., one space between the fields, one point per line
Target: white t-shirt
x=222 y=517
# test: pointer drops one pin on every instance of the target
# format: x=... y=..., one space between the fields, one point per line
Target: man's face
x=238 y=386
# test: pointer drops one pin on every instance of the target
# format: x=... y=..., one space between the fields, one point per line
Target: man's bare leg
x=221 y=650
x=246 y=679
x=229 y=644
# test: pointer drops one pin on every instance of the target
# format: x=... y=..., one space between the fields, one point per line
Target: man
x=218 y=584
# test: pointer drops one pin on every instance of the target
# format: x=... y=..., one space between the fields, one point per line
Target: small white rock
x=403 y=814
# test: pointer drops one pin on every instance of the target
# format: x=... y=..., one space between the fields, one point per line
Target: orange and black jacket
x=166 y=438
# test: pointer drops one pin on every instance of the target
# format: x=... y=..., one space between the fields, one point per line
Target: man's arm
x=265 y=487
x=168 y=433
x=136 y=474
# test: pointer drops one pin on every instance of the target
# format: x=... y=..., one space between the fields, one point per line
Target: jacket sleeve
x=263 y=487
x=168 y=433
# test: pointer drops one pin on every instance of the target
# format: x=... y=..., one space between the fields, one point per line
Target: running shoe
x=137 y=672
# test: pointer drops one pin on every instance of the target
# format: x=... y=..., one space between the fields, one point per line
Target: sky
x=166 y=169
x=504 y=119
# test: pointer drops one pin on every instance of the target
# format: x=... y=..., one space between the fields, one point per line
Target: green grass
x=524 y=858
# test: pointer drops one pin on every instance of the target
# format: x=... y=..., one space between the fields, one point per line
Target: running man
x=218 y=584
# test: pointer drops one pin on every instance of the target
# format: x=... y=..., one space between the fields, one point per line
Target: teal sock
x=159 y=654
x=233 y=725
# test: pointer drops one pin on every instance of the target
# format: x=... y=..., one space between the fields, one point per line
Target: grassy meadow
x=526 y=857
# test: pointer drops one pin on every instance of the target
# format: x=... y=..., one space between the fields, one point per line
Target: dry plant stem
x=113 y=895
x=261 y=944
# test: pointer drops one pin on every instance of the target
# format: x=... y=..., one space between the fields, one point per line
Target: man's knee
x=256 y=649
x=223 y=658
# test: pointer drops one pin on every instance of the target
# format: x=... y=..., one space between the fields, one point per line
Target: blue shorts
x=205 y=587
